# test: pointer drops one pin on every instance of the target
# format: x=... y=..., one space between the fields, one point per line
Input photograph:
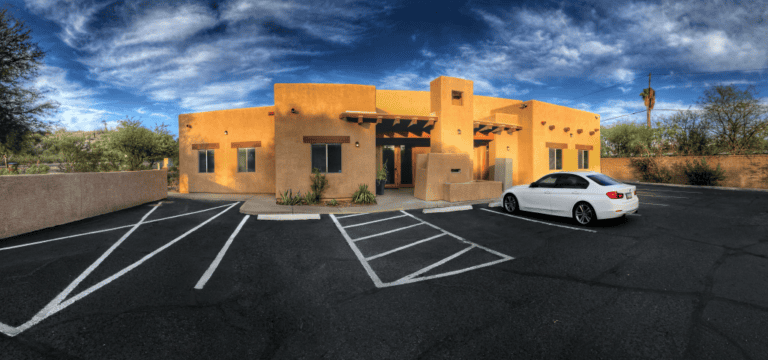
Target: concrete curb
x=289 y=217
x=698 y=186
x=447 y=209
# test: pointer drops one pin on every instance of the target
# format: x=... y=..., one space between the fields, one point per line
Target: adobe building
x=447 y=143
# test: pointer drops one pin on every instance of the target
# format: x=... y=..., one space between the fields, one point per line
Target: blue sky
x=154 y=60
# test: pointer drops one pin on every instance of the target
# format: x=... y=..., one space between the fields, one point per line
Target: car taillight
x=615 y=195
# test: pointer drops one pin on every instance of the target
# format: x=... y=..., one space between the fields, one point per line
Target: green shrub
x=7 y=172
x=651 y=171
x=333 y=202
x=37 y=169
x=310 y=198
x=381 y=174
x=363 y=196
x=287 y=198
x=700 y=173
x=319 y=184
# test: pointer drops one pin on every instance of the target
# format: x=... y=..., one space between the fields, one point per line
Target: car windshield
x=604 y=180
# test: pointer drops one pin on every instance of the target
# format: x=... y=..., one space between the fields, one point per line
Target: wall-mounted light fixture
x=543 y=123
x=271 y=113
x=225 y=132
x=189 y=126
x=507 y=148
x=294 y=111
x=357 y=144
x=524 y=106
x=571 y=134
x=458 y=131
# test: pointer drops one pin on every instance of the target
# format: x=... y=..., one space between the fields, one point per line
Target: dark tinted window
x=547 y=181
x=603 y=180
x=571 y=182
x=210 y=161
x=201 y=161
x=334 y=158
x=318 y=157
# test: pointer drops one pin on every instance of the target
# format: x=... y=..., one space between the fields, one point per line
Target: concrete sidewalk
x=391 y=200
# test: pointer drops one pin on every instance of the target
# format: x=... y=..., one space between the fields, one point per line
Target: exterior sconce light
x=543 y=123
x=567 y=129
x=189 y=126
x=294 y=111
x=459 y=131
x=357 y=144
x=524 y=106
x=271 y=113
x=507 y=148
x=551 y=127
x=571 y=134
x=225 y=132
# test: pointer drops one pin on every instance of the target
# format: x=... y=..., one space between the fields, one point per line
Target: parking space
x=196 y=279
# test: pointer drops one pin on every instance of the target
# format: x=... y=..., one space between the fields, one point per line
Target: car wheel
x=510 y=203
x=584 y=214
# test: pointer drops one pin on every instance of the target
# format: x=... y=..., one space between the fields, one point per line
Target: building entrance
x=399 y=166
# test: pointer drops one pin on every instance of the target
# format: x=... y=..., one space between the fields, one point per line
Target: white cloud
x=167 y=24
x=427 y=53
x=404 y=81
x=141 y=111
x=76 y=102
x=160 y=115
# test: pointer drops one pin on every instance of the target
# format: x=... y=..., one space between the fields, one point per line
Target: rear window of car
x=604 y=180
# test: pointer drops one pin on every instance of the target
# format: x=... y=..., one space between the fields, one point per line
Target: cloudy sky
x=154 y=60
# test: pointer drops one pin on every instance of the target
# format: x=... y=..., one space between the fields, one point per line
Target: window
x=456 y=98
x=205 y=161
x=571 y=182
x=583 y=159
x=555 y=159
x=326 y=157
x=604 y=180
x=246 y=160
x=547 y=181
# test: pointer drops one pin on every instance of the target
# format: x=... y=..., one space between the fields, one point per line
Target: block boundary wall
x=34 y=202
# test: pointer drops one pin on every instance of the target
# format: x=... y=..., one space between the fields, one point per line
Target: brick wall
x=744 y=171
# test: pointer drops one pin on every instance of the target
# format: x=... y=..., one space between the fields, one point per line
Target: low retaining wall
x=34 y=202
x=474 y=190
x=742 y=171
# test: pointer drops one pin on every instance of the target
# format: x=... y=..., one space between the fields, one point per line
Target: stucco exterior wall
x=318 y=107
x=445 y=137
x=241 y=125
x=34 y=202
x=743 y=171
x=403 y=102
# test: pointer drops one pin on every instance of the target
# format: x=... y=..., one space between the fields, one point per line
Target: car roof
x=583 y=173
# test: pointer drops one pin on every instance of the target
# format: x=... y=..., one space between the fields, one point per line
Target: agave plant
x=363 y=196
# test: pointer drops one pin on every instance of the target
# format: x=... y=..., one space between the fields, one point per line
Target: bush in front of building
x=310 y=198
x=363 y=196
x=287 y=198
x=37 y=169
x=319 y=184
x=700 y=173
x=651 y=171
x=333 y=202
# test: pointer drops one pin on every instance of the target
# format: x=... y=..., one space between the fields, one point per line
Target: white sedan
x=585 y=196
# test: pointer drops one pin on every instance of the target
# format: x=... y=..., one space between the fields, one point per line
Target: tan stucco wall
x=445 y=137
x=743 y=171
x=475 y=190
x=434 y=170
x=34 y=202
x=403 y=102
x=319 y=107
x=241 y=125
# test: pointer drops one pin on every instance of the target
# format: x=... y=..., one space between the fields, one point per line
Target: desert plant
x=700 y=173
x=363 y=196
x=381 y=174
x=310 y=198
x=333 y=202
x=651 y=171
x=319 y=183
x=288 y=198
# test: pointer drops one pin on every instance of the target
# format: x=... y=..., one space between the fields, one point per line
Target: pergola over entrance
x=488 y=127
x=392 y=123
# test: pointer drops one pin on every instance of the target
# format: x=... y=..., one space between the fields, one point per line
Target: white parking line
x=386 y=232
x=537 y=221
x=404 y=247
x=112 y=229
x=374 y=221
x=288 y=217
x=215 y=263
x=346 y=216
x=413 y=277
x=51 y=310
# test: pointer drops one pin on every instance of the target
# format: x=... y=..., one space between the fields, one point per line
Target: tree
x=630 y=139
x=739 y=122
x=20 y=107
x=689 y=133
x=141 y=144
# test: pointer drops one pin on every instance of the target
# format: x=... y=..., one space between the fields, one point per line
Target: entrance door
x=399 y=165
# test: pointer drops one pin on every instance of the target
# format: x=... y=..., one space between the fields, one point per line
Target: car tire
x=584 y=214
x=510 y=204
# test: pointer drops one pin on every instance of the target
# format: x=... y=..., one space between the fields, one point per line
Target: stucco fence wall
x=743 y=171
x=34 y=202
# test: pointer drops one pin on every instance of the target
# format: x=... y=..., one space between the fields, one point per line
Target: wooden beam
x=360 y=120
x=397 y=121
x=378 y=120
x=486 y=128
x=430 y=123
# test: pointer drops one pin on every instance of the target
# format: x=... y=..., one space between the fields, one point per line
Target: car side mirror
x=533 y=185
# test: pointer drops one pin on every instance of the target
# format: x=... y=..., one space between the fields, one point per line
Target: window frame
x=325 y=145
x=556 y=152
x=583 y=159
x=246 y=149
x=212 y=162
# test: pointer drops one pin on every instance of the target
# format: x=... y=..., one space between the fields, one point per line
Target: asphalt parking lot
x=686 y=278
